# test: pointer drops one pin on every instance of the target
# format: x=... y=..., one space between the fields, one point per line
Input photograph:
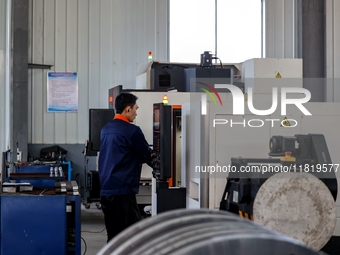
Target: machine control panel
x=162 y=141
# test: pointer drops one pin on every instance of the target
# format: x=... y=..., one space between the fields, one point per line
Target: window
x=192 y=29
x=233 y=31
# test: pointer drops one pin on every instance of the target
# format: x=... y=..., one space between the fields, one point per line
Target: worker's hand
x=153 y=155
x=155 y=174
x=153 y=163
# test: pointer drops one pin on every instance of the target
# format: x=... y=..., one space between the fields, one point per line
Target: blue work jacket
x=123 y=150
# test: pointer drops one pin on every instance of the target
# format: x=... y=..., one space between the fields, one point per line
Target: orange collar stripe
x=121 y=117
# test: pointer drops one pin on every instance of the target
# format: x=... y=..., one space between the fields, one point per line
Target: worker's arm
x=141 y=146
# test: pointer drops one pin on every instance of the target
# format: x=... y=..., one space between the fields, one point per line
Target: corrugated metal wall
x=280 y=28
x=105 y=41
x=3 y=67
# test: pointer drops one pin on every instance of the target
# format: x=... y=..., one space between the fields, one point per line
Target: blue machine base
x=35 y=225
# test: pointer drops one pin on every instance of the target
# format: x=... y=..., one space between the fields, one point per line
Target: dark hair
x=123 y=100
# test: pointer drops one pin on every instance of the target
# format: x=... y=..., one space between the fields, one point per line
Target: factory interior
x=239 y=101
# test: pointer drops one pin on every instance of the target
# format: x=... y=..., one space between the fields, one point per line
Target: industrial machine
x=37 y=198
x=213 y=133
x=154 y=81
x=43 y=173
x=98 y=118
x=288 y=192
x=167 y=192
x=145 y=119
x=179 y=82
x=162 y=76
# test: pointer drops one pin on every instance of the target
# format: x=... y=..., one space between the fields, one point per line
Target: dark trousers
x=120 y=212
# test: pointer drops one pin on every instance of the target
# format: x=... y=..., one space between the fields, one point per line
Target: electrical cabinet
x=34 y=224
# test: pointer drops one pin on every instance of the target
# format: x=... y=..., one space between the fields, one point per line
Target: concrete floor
x=92 y=230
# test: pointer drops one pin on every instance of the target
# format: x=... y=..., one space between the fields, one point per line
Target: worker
x=123 y=150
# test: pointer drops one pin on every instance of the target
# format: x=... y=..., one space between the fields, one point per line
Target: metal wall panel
x=5 y=74
x=48 y=120
x=336 y=49
x=2 y=76
x=329 y=44
x=106 y=42
x=36 y=55
x=280 y=28
x=289 y=27
x=333 y=50
x=71 y=63
x=83 y=68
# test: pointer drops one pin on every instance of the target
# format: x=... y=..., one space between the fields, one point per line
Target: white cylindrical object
x=200 y=232
x=61 y=173
x=298 y=205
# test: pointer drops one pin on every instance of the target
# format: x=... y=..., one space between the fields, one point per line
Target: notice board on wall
x=62 y=92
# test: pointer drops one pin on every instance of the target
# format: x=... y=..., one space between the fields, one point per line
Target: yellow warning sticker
x=285 y=123
x=278 y=75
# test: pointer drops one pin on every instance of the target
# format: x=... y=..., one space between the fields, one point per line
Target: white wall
x=105 y=41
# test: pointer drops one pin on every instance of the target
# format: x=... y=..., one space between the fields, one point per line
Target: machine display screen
x=156 y=118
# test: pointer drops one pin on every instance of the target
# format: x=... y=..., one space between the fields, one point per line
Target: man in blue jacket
x=123 y=150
